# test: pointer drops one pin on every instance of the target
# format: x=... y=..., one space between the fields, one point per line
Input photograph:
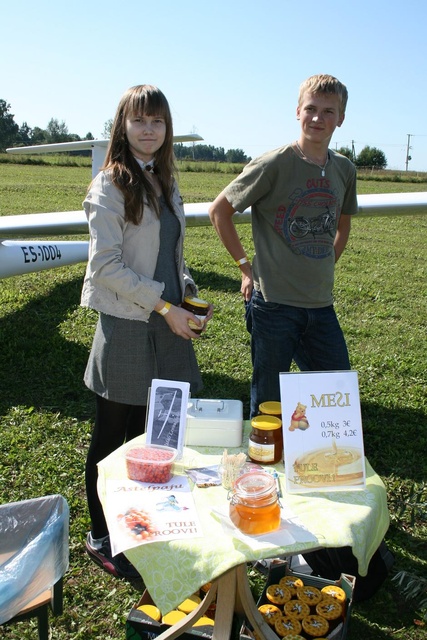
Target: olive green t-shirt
x=295 y=213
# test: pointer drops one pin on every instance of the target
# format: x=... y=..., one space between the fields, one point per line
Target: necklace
x=304 y=157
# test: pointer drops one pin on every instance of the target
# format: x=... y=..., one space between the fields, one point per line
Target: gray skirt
x=127 y=354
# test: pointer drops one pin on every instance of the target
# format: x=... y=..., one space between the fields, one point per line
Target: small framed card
x=322 y=431
x=167 y=413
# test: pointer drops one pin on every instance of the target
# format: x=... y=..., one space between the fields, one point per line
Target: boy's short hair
x=323 y=83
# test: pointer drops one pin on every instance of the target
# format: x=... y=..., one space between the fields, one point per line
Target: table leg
x=225 y=605
x=245 y=604
x=233 y=596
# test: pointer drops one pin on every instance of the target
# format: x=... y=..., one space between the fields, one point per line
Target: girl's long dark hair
x=126 y=174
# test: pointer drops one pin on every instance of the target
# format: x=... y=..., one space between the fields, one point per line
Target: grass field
x=46 y=413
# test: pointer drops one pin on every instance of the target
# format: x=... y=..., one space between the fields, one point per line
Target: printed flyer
x=141 y=512
x=322 y=431
x=167 y=413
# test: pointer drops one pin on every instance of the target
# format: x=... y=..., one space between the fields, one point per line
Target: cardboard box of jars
x=337 y=629
x=141 y=626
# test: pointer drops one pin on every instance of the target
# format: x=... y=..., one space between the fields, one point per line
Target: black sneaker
x=118 y=565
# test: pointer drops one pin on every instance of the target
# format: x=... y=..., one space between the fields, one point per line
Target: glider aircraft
x=19 y=257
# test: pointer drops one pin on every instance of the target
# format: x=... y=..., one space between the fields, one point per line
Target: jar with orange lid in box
x=173 y=617
x=151 y=610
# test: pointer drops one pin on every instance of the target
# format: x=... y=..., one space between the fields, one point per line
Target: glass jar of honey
x=254 y=505
x=271 y=408
x=266 y=440
x=200 y=309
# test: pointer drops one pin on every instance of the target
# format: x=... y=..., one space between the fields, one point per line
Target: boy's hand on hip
x=247 y=286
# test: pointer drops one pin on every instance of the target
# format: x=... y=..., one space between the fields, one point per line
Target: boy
x=302 y=197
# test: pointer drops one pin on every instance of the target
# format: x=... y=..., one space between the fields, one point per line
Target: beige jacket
x=123 y=256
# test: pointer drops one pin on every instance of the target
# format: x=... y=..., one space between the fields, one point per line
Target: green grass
x=46 y=412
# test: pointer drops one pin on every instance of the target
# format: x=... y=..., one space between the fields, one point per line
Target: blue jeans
x=280 y=333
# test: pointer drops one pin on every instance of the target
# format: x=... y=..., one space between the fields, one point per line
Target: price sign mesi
x=322 y=431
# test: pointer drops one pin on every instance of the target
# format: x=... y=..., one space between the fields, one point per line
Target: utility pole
x=408 y=147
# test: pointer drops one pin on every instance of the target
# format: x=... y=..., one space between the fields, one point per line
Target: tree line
x=13 y=135
x=208 y=153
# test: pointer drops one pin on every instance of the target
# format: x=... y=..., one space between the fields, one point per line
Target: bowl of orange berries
x=150 y=463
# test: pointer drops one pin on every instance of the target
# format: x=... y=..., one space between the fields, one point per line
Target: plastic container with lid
x=200 y=309
x=266 y=440
x=254 y=503
x=150 y=463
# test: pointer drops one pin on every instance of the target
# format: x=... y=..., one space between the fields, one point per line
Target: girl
x=136 y=279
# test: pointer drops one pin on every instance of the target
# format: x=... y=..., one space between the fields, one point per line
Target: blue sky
x=230 y=69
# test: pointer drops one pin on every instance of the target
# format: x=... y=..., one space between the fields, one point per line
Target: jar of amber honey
x=266 y=440
x=254 y=504
x=200 y=309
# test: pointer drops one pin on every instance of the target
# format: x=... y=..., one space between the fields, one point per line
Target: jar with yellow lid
x=200 y=309
x=266 y=440
x=254 y=503
x=271 y=408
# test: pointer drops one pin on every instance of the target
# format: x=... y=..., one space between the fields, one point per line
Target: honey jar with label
x=200 y=309
x=254 y=503
x=266 y=440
